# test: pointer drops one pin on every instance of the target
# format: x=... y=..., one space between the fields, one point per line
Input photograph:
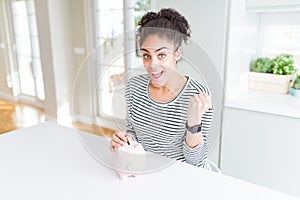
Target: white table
x=48 y=161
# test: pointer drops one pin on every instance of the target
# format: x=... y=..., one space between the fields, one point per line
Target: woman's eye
x=162 y=55
x=146 y=56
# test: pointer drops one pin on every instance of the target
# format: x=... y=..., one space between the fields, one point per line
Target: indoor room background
x=67 y=57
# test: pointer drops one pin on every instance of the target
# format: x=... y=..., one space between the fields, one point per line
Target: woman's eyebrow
x=155 y=50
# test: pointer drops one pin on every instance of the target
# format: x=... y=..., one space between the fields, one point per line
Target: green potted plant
x=272 y=75
x=295 y=89
x=283 y=65
x=262 y=65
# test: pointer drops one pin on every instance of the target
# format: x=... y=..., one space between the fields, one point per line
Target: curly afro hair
x=167 y=23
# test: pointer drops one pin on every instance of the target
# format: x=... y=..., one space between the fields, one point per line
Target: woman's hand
x=119 y=138
x=198 y=105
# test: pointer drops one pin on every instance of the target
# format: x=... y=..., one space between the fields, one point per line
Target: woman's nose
x=153 y=63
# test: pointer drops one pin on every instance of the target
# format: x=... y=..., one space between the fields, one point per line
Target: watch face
x=194 y=129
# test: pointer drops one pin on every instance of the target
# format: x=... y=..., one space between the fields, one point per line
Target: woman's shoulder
x=200 y=87
x=136 y=84
x=139 y=78
x=138 y=81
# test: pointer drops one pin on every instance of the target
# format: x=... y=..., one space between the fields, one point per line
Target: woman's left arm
x=199 y=113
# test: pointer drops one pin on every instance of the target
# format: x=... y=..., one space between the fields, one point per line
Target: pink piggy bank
x=129 y=160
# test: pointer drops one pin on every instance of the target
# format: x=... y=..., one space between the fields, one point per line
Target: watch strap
x=194 y=129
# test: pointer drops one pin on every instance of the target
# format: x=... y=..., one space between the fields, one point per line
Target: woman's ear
x=178 y=54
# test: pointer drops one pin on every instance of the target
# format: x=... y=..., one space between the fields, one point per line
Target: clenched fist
x=198 y=105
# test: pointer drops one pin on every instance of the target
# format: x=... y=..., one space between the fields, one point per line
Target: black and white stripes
x=160 y=127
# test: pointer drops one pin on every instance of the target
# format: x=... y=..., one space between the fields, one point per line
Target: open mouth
x=157 y=75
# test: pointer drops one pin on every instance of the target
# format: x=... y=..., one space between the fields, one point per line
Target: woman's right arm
x=120 y=138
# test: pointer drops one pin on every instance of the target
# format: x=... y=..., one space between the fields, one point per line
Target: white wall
x=61 y=22
x=208 y=24
x=83 y=108
x=46 y=51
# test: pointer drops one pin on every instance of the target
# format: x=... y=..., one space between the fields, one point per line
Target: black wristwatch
x=194 y=129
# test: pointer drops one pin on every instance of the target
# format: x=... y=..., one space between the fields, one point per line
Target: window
x=280 y=33
x=280 y=38
x=27 y=74
x=115 y=26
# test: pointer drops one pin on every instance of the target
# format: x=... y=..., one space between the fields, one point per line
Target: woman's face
x=159 y=58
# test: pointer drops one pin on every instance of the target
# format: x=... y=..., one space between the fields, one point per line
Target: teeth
x=155 y=73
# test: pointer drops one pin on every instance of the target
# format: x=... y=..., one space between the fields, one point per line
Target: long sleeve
x=198 y=154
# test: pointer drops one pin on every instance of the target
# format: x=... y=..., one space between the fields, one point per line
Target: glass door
x=28 y=69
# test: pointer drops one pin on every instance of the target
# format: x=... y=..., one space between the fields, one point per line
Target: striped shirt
x=161 y=127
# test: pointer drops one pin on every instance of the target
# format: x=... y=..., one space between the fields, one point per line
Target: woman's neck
x=170 y=90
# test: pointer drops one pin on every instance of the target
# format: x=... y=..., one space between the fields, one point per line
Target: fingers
x=121 y=136
x=199 y=99
x=202 y=100
x=118 y=139
x=207 y=99
x=199 y=104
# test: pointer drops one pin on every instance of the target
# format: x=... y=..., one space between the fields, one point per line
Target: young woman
x=167 y=113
